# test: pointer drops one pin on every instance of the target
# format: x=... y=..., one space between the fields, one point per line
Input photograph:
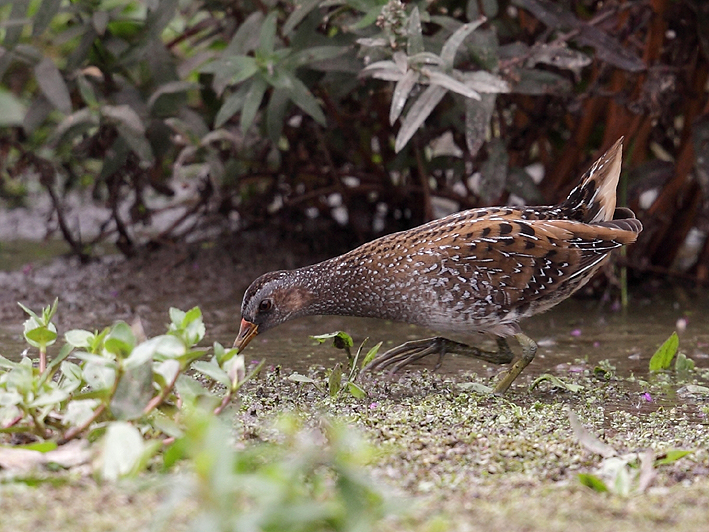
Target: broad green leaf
x=137 y=141
x=12 y=111
x=169 y=346
x=49 y=398
x=52 y=84
x=356 y=391
x=672 y=456
x=166 y=371
x=386 y=70
x=417 y=115
x=212 y=371
x=593 y=482
x=120 y=341
x=134 y=391
x=662 y=358
x=252 y=102
x=7 y=364
x=79 y=411
x=99 y=377
x=340 y=339
x=41 y=446
x=79 y=338
x=42 y=336
x=122 y=450
x=683 y=363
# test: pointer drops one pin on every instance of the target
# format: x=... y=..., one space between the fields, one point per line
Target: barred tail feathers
x=593 y=200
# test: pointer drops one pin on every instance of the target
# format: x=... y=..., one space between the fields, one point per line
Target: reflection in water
x=573 y=337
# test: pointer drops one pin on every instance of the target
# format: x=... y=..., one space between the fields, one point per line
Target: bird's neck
x=339 y=288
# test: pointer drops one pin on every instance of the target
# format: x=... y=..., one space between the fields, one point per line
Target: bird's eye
x=265 y=305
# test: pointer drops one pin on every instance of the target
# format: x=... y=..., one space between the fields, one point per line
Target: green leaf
x=42 y=336
x=134 y=391
x=79 y=338
x=414 y=44
x=301 y=8
x=232 y=105
x=303 y=98
x=276 y=114
x=672 y=456
x=297 y=377
x=53 y=397
x=123 y=448
x=312 y=55
x=356 y=391
x=417 y=115
x=246 y=37
x=99 y=377
x=52 y=84
x=252 y=102
x=212 y=371
x=370 y=355
x=593 y=482
x=450 y=83
x=340 y=339
x=683 y=364
x=12 y=111
x=334 y=382
x=662 y=358
x=120 y=341
x=450 y=48
x=402 y=89
x=267 y=37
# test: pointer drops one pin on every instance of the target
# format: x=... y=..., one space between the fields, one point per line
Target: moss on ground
x=458 y=460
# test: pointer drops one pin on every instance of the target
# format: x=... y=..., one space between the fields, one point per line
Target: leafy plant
x=662 y=359
x=310 y=480
x=342 y=340
x=115 y=374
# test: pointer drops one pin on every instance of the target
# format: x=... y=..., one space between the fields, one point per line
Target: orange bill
x=246 y=332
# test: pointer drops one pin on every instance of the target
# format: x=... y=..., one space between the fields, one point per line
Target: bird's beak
x=246 y=332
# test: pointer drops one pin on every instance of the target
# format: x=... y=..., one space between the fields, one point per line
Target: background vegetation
x=366 y=115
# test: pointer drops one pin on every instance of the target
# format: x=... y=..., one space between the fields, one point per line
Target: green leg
x=409 y=352
x=529 y=349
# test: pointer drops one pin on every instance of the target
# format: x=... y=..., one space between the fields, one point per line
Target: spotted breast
x=478 y=270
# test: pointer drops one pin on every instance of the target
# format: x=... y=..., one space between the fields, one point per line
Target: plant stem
x=42 y=359
x=158 y=399
x=74 y=432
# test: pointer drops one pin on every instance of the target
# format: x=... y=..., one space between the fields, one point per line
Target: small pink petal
x=373 y=406
x=647 y=397
x=576 y=333
x=596 y=344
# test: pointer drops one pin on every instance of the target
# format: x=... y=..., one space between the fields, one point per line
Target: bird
x=479 y=270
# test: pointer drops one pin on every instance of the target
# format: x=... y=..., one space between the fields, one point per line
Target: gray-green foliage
x=115 y=374
x=120 y=95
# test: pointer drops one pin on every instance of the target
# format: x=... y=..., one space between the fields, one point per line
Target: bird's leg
x=415 y=350
x=529 y=349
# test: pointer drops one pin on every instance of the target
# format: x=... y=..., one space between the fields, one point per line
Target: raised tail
x=593 y=200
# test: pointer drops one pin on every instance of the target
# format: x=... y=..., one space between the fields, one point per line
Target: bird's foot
x=529 y=349
x=409 y=352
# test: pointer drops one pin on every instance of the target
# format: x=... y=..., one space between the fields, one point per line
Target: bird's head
x=271 y=299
